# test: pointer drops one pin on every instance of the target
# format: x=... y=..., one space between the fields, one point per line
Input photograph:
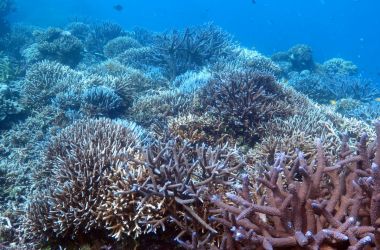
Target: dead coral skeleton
x=309 y=206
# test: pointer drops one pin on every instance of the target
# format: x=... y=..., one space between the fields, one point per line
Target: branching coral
x=82 y=166
x=324 y=88
x=199 y=129
x=191 y=81
x=127 y=82
x=44 y=80
x=16 y=40
x=79 y=30
x=118 y=45
x=180 y=179
x=59 y=45
x=158 y=106
x=97 y=182
x=6 y=70
x=292 y=134
x=297 y=58
x=241 y=99
x=326 y=203
x=102 y=34
x=339 y=66
x=139 y=58
x=103 y=101
x=242 y=58
x=366 y=111
x=8 y=105
x=177 y=52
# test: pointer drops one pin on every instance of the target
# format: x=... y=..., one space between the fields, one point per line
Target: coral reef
x=158 y=106
x=240 y=100
x=366 y=111
x=226 y=159
x=43 y=81
x=339 y=66
x=101 y=100
x=6 y=70
x=118 y=45
x=324 y=88
x=297 y=58
x=18 y=39
x=176 y=52
x=56 y=44
x=327 y=203
x=97 y=183
x=81 y=166
x=101 y=34
x=8 y=105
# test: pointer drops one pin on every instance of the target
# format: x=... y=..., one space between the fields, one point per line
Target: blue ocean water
x=333 y=28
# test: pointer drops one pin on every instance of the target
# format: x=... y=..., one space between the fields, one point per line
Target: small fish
x=118 y=7
x=333 y=102
x=377 y=99
x=253 y=1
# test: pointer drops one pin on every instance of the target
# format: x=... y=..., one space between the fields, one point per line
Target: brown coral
x=181 y=177
x=242 y=99
x=82 y=168
x=330 y=202
x=98 y=181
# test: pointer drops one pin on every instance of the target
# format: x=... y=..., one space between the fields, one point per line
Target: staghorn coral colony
x=115 y=139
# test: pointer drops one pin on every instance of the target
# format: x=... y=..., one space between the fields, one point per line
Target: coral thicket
x=115 y=139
